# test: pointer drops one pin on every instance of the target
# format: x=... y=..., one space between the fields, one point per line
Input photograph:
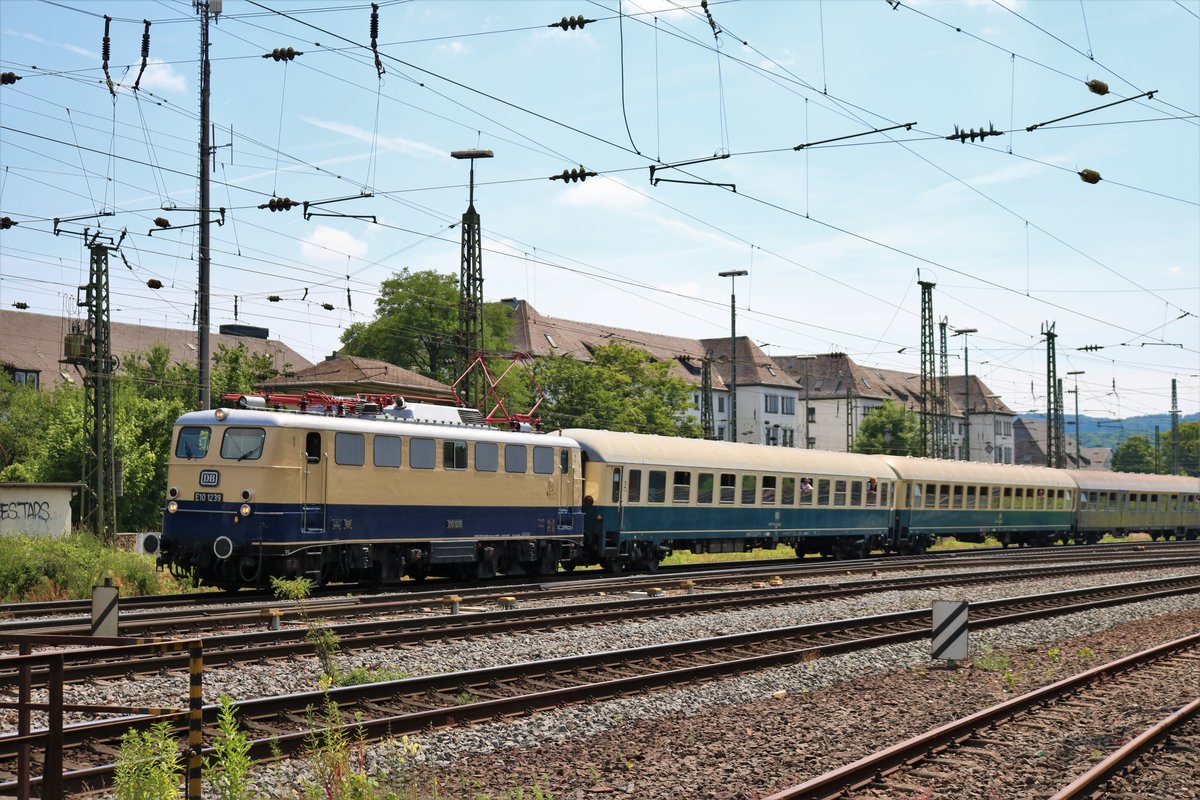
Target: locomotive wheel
x=568 y=566
x=614 y=566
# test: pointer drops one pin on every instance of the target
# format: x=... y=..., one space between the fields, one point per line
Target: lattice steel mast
x=929 y=393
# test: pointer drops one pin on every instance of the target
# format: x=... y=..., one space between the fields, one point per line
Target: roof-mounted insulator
x=570 y=23
x=162 y=222
x=9 y=78
x=20 y=305
x=280 y=204
x=283 y=54
x=1097 y=86
x=145 y=53
x=964 y=134
x=273 y=298
x=7 y=222
x=375 y=38
x=573 y=175
x=154 y=283
x=105 y=52
x=327 y=306
x=1089 y=176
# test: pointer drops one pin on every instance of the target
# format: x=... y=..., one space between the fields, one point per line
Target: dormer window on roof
x=550 y=339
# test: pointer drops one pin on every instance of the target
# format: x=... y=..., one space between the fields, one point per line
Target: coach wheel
x=613 y=566
x=568 y=566
x=486 y=567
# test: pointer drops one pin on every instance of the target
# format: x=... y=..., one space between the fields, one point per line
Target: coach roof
x=936 y=470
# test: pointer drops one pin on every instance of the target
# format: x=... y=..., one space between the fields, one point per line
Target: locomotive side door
x=313 y=503
x=568 y=478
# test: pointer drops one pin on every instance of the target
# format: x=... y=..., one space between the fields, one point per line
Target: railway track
x=387 y=709
x=1055 y=725
x=233 y=648
x=210 y=611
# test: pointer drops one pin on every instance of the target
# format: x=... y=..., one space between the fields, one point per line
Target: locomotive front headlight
x=245 y=510
x=173 y=492
x=172 y=507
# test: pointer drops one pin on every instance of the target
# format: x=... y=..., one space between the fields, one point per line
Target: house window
x=25 y=377
x=721 y=404
x=787 y=405
x=812 y=414
x=771 y=403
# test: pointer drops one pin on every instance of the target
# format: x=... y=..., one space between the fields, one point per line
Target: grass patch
x=360 y=675
x=36 y=568
x=688 y=557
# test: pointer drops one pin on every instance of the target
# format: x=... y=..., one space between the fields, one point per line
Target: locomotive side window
x=454 y=455
x=193 y=442
x=349 y=449
x=564 y=461
x=788 y=496
x=823 y=492
x=243 y=443
x=312 y=447
x=422 y=453
x=543 y=460
x=515 y=458
x=387 y=451
x=768 y=492
x=635 y=486
x=656 y=487
x=487 y=457
x=728 y=487
x=704 y=487
x=682 y=487
x=749 y=485
x=616 y=485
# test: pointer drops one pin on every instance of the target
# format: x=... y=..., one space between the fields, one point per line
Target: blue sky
x=833 y=235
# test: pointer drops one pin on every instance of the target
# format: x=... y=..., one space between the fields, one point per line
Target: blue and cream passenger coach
x=255 y=493
x=645 y=496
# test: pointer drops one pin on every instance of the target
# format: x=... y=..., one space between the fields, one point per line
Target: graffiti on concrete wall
x=25 y=510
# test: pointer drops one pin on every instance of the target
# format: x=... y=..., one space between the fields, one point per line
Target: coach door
x=313 y=505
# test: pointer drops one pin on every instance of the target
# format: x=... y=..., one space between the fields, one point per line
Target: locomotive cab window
x=193 y=442
x=515 y=458
x=656 y=486
x=241 y=444
x=422 y=453
x=387 y=451
x=349 y=449
x=312 y=447
x=564 y=461
x=543 y=460
x=454 y=455
x=682 y=487
x=487 y=457
x=704 y=488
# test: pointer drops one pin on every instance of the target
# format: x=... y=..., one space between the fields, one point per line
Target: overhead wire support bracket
x=1149 y=94
x=658 y=167
x=59 y=220
x=906 y=125
x=319 y=203
x=165 y=224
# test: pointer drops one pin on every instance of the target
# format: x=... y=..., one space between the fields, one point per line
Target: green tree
x=621 y=389
x=892 y=429
x=1189 y=448
x=416 y=326
x=1135 y=454
x=22 y=421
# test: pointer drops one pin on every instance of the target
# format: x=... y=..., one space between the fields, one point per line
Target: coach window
x=656 y=486
x=839 y=493
x=768 y=493
x=856 y=493
x=349 y=449
x=1174 y=501
x=422 y=453
x=1008 y=497
x=958 y=497
x=823 y=492
x=883 y=494
x=788 y=496
x=635 y=486
x=243 y=444
x=454 y=455
x=970 y=497
x=704 y=488
x=616 y=485
x=312 y=447
x=943 y=499
x=728 y=487
x=386 y=450
x=682 y=486
x=193 y=442
x=931 y=495
x=806 y=491
x=515 y=458
x=749 y=489
x=487 y=457
x=543 y=460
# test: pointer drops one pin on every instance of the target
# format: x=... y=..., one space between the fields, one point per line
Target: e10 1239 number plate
x=209 y=497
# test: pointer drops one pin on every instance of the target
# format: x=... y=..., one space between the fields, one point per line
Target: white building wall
x=38 y=509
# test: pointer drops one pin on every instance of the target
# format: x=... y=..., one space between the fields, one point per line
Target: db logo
x=209 y=477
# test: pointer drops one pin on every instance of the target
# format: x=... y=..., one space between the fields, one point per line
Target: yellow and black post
x=195 y=718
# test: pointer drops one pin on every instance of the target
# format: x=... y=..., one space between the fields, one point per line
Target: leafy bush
x=36 y=568
x=148 y=766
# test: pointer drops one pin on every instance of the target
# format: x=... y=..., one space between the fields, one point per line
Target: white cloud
x=331 y=246
x=392 y=143
x=453 y=48
x=611 y=193
x=161 y=77
x=70 y=48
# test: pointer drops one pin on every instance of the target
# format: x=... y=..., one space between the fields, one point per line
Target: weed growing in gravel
x=360 y=675
x=338 y=760
x=148 y=765
x=227 y=769
x=323 y=640
x=993 y=661
x=1087 y=653
x=1053 y=653
x=1010 y=679
x=465 y=698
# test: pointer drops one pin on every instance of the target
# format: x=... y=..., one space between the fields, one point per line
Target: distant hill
x=1103 y=432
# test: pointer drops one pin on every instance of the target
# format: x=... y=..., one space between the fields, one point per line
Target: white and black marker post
x=950 y=629
x=106 y=612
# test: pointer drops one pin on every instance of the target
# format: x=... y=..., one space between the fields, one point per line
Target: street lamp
x=733 y=275
x=1075 y=391
x=966 y=451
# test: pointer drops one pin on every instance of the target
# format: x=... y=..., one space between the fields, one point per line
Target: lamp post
x=966 y=451
x=1075 y=391
x=733 y=275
